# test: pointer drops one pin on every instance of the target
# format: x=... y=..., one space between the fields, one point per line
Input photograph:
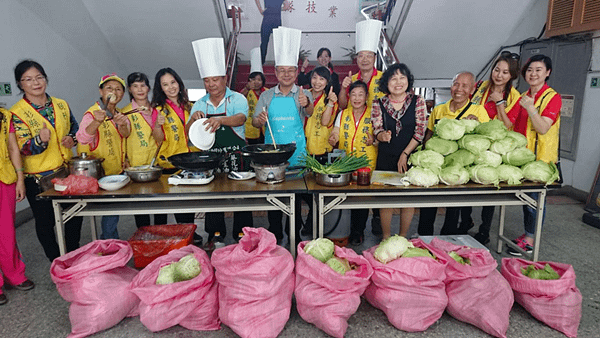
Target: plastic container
x=363 y=176
x=151 y=242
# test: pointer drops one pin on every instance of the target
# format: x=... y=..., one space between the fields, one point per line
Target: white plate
x=113 y=182
x=245 y=175
x=59 y=187
x=200 y=137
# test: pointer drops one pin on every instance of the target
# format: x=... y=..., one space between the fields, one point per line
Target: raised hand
x=527 y=102
x=160 y=120
x=495 y=96
x=333 y=139
x=302 y=98
x=45 y=133
x=385 y=136
x=331 y=97
x=99 y=115
x=347 y=80
x=197 y=115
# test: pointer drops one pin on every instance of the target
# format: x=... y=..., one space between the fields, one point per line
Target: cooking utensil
x=270 y=131
x=103 y=106
x=268 y=154
x=196 y=161
x=333 y=180
x=86 y=165
x=154 y=158
x=271 y=173
x=143 y=173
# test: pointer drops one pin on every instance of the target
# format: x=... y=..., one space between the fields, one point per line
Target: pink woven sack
x=95 y=280
x=477 y=292
x=326 y=298
x=256 y=283
x=192 y=304
x=556 y=303
x=410 y=291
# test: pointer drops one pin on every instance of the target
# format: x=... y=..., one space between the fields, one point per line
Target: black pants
x=358 y=222
x=487 y=214
x=215 y=222
x=43 y=213
x=180 y=218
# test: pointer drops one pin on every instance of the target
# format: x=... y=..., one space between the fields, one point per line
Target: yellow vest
x=317 y=135
x=251 y=131
x=483 y=91
x=56 y=155
x=141 y=145
x=176 y=140
x=547 y=144
x=110 y=145
x=354 y=139
x=373 y=85
x=7 y=171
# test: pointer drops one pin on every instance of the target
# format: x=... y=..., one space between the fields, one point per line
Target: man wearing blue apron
x=226 y=112
x=285 y=106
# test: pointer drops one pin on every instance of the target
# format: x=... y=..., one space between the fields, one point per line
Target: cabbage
x=441 y=146
x=449 y=129
x=426 y=159
x=391 y=248
x=489 y=158
x=454 y=175
x=320 y=248
x=540 y=171
x=504 y=145
x=469 y=124
x=462 y=157
x=417 y=252
x=520 y=139
x=494 y=129
x=422 y=177
x=339 y=265
x=547 y=273
x=510 y=174
x=166 y=275
x=474 y=143
x=187 y=268
x=484 y=174
x=459 y=258
x=518 y=157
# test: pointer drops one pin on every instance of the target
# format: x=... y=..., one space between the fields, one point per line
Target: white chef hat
x=367 y=35
x=286 y=42
x=210 y=57
x=255 y=61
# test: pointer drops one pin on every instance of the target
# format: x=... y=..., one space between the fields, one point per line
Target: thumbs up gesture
x=347 y=81
x=45 y=133
x=302 y=98
x=331 y=97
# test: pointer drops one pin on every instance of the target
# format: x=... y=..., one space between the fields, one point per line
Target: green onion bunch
x=341 y=165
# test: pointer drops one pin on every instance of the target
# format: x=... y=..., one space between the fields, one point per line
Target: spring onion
x=341 y=165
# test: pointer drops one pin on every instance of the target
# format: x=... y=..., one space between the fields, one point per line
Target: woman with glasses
x=45 y=131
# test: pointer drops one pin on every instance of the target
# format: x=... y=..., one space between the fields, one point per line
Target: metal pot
x=333 y=180
x=144 y=173
x=86 y=165
x=267 y=154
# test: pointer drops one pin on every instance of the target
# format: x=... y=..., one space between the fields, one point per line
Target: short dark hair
x=324 y=73
x=255 y=74
x=393 y=69
x=136 y=77
x=357 y=84
x=538 y=57
x=24 y=66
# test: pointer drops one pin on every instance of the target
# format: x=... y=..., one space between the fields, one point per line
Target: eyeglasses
x=39 y=78
x=508 y=54
x=286 y=71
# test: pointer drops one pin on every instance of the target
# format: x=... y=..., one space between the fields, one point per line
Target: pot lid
x=84 y=158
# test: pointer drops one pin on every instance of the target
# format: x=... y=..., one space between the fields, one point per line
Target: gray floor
x=41 y=312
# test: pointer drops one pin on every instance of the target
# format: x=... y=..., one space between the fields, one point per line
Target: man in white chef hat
x=367 y=40
x=285 y=106
x=253 y=89
x=225 y=112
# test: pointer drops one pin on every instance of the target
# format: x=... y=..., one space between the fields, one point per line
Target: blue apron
x=287 y=126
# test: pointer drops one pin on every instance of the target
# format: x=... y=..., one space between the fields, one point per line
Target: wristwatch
x=500 y=102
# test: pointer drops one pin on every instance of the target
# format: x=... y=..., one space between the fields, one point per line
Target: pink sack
x=192 y=304
x=477 y=293
x=95 y=280
x=256 y=282
x=410 y=291
x=326 y=298
x=557 y=303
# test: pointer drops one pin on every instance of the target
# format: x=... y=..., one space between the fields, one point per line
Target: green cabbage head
x=391 y=248
x=484 y=174
x=166 y=275
x=518 y=157
x=441 y=146
x=494 y=129
x=339 y=265
x=187 y=268
x=320 y=248
x=489 y=158
x=462 y=157
x=474 y=143
x=462 y=260
x=469 y=124
x=510 y=174
x=417 y=252
x=504 y=145
x=423 y=177
x=426 y=159
x=520 y=139
x=454 y=175
x=449 y=129
x=540 y=171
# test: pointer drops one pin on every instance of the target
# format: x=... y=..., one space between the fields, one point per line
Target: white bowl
x=113 y=182
x=200 y=137
x=60 y=187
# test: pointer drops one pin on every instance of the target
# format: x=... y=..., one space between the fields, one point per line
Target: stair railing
x=232 y=43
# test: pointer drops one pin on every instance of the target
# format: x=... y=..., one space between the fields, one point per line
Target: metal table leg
x=59 y=227
x=538 y=224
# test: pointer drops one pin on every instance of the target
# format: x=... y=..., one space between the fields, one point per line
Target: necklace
x=397 y=101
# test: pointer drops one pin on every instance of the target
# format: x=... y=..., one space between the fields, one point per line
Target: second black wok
x=267 y=154
x=197 y=160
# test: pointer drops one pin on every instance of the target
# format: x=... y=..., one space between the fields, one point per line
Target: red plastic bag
x=192 y=304
x=326 y=298
x=77 y=185
x=151 y=242
x=256 y=283
x=556 y=303
x=410 y=291
x=95 y=280
x=477 y=292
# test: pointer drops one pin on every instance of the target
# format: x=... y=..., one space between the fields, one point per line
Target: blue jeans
x=109 y=227
x=529 y=215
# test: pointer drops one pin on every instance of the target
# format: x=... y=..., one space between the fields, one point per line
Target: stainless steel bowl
x=333 y=180
x=144 y=173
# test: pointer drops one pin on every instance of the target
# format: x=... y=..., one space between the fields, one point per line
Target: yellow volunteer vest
x=354 y=139
x=110 y=145
x=251 y=131
x=317 y=135
x=373 y=85
x=547 y=144
x=141 y=145
x=442 y=111
x=176 y=140
x=7 y=171
x=56 y=154
x=481 y=95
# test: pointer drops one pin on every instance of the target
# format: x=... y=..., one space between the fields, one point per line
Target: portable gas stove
x=191 y=177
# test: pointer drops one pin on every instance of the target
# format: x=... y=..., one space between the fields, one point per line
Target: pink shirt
x=178 y=110
x=150 y=118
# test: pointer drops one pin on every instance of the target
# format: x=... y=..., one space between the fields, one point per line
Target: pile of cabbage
x=186 y=268
x=485 y=153
x=398 y=247
x=547 y=273
x=323 y=249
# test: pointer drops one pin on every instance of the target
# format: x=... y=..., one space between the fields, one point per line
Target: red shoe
x=528 y=248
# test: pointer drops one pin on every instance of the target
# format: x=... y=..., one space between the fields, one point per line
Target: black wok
x=264 y=153
x=197 y=161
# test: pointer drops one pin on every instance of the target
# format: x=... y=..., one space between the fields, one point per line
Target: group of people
x=370 y=113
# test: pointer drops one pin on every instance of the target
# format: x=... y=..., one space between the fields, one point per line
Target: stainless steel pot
x=144 y=173
x=333 y=180
x=86 y=165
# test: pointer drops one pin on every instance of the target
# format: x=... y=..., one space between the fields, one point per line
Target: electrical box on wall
x=5 y=89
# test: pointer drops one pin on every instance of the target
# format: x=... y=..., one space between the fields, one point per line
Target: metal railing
x=232 y=43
